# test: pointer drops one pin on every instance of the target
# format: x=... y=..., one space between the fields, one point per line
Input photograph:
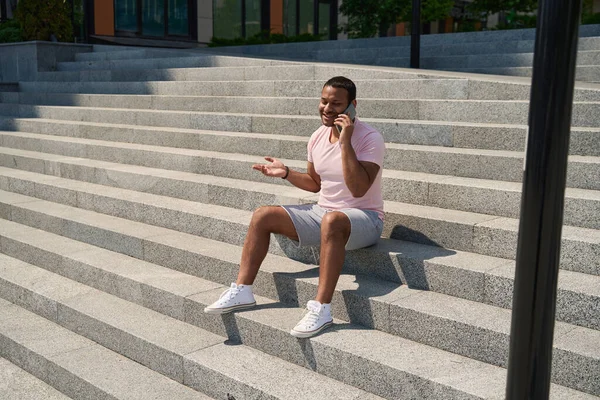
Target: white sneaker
x=316 y=319
x=237 y=297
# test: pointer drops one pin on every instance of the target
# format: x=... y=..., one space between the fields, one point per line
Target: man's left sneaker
x=317 y=319
x=237 y=297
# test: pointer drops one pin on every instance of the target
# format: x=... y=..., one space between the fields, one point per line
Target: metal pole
x=542 y=203
x=415 y=36
x=3 y=10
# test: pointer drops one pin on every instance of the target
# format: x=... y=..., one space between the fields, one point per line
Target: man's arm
x=358 y=175
x=309 y=181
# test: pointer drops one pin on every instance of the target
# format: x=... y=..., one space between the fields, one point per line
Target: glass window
x=307 y=16
x=227 y=20
x=252 y=17
x=178 y=17
x=324 y=14
x=126 y=15
x=289 y=17
x=153 y=17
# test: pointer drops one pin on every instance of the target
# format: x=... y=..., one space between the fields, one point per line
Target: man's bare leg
x=265 y=220
x=335 y=231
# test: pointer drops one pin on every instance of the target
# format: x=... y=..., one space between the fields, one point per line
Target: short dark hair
x=341 y=82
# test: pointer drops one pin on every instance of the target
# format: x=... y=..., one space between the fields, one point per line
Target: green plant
x=10 y=32
x=488 y=7
x=588 y=16
x=368 y=17
x=263 y=37
x=466 y=26
x=591 y=19
x=518 y=21
x=41 y=19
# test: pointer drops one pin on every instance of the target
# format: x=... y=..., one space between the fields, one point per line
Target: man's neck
x=334 y=136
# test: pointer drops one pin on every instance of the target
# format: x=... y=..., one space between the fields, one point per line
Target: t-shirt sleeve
x=371 y=148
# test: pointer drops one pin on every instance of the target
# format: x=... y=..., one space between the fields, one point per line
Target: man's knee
x=335 y=224
x=265 y=217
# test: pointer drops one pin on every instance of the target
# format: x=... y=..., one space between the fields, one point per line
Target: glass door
x=126 y=13
x=324 y=18
x=178 y=18
x=153 y=18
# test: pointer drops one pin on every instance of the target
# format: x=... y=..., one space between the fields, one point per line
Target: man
x=345 y=165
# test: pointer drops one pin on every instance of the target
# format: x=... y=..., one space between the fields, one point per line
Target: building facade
x=200 y=20
x=197 y=21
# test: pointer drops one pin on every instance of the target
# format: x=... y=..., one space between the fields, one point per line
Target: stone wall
x=22 y=61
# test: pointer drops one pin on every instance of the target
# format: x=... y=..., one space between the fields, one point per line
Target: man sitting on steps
x=345 y=165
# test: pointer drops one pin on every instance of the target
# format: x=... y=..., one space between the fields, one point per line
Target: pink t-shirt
x=326 y=157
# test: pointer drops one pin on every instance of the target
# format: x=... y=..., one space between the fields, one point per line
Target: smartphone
x=351 y=112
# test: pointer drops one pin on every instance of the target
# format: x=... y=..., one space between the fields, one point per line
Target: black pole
x=542 y=204
x=244 y=18
x=265 y=18
x=315 y=17
x=415 y=37
x=3 y=10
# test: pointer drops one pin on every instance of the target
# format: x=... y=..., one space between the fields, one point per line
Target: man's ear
x=354 y=102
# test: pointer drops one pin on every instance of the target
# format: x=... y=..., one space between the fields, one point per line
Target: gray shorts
x=366 y=226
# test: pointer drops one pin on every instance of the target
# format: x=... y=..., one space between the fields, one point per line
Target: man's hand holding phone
x=345 y=122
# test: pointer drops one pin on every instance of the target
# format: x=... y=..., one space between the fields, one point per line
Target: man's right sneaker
x=237 y=297
x=316 y=319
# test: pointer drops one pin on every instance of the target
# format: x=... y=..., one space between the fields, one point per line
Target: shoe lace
x=229 y=294
x=310 y=318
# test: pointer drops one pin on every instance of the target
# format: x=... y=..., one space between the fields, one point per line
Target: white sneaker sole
x=229 y=309
x=304 y=335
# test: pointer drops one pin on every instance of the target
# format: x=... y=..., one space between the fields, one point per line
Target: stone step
x=467 y=163
x=584 y=58
x=9 y=87
x=463 y=194
x=377 y=88
x=173 y=348
x=299 y=71
x=131 y=54
x=78 y=366
x=585 y=114
x=187 y=95
x=157 y=82
x=369 y=54
x=583 y=141
x=167 y=62
x=81 y=93
x=590 y=73
x=16 y=384
x=260 y=328
x=98 y=48
x=459 y=230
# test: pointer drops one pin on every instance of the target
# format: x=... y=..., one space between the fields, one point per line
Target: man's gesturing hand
x=275 y=168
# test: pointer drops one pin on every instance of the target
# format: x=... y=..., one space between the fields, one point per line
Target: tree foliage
x=366 y=17
x=10 y=31
x=41 y=18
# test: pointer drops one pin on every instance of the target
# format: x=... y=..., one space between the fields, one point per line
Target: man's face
x=334 y=101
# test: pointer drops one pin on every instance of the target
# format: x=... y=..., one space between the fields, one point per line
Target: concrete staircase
x=126 y=192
